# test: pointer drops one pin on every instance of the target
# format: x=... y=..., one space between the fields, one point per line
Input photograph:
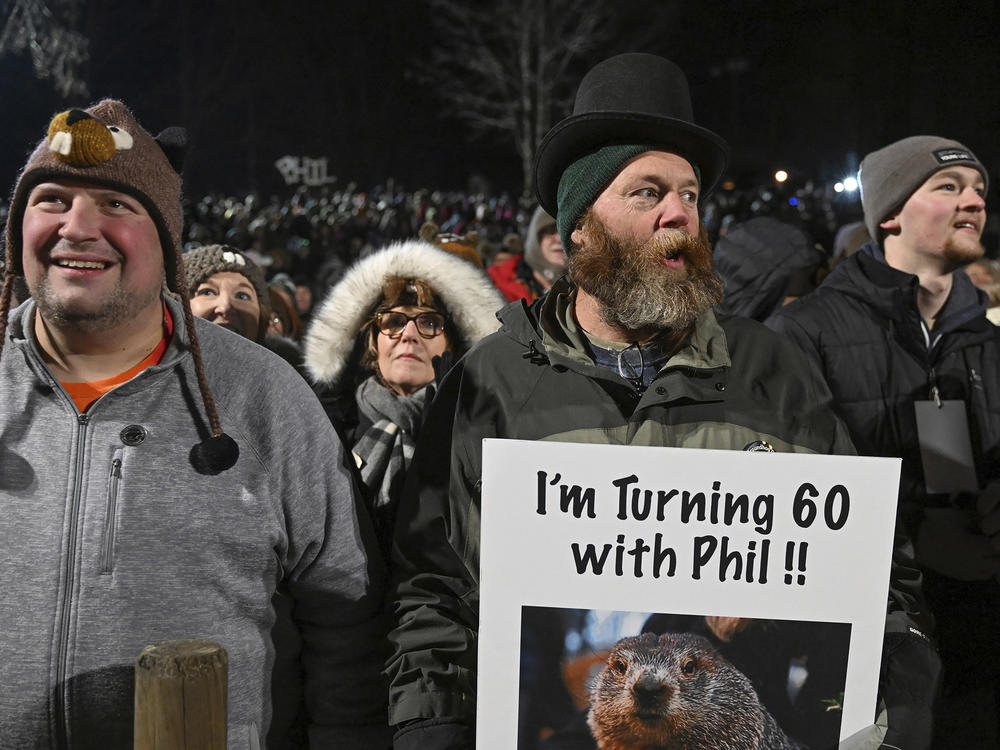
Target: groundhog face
x=672 y=691
x=78 y=138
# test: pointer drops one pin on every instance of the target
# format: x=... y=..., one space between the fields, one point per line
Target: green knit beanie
x=585 y=179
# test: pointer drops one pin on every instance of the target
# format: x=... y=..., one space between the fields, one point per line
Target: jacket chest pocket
x=123 y=461
x=111 y=513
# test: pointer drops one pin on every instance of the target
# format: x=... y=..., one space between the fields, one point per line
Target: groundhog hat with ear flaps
x=105 y=146
x=625 y=105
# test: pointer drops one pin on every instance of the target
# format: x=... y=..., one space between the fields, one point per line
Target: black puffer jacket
x=864 y=328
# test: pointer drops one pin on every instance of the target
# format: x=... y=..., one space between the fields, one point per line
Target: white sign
x=305 y=170
x=714 y=536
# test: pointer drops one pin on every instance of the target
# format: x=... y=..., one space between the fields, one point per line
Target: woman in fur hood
x=371 y=346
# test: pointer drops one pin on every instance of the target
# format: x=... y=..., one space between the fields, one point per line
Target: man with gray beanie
x=902 y=337
x=129 y=516
x=627 y=350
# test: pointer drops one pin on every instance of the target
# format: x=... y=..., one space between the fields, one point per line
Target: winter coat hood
x=756 y=260
x=468 y=293
x=533 y=254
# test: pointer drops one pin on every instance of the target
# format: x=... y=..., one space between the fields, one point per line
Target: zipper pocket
x=111 y=519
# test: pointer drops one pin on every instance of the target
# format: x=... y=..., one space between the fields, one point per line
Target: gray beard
x=634 y=289
x=648 y=304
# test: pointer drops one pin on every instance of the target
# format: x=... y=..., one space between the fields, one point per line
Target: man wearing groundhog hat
x=626 y=351
x=129 y=516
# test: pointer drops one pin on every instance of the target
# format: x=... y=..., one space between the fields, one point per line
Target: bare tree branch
x=47 y=31
x=502 y=66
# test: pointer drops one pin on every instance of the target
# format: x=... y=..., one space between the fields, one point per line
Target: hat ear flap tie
x=6 y=293
x=219 y=452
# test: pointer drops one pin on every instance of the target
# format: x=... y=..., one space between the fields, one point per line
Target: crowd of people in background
x=307 y=239
x=324 y=229
x=373 y=296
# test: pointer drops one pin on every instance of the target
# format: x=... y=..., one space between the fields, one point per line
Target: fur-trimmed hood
x=470 y=296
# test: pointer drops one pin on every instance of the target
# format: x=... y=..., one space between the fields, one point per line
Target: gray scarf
x=385 y=449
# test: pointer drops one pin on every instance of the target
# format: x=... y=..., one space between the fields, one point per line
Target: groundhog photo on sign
x=618 y=680
x=676 y=692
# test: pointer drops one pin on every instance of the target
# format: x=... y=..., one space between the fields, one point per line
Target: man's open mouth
x=88 y=264
x=967 y=225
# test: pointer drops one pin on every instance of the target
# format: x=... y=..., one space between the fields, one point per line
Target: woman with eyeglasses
x=406 y=336
x=371 y=351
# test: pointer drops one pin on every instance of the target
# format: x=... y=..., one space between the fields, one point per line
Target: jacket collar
x=20 y=330
x=869 y=278
x=551 y=326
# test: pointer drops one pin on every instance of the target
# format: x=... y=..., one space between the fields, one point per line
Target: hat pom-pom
x=215 y=455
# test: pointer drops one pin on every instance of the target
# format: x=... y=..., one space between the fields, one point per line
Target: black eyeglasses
x=429 y=324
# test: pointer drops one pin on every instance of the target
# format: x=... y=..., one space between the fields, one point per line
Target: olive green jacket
x=731 y=384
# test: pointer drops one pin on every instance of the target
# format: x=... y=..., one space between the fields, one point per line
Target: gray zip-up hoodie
x=112 y=541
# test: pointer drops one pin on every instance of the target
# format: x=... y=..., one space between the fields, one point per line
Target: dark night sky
x=814 y=83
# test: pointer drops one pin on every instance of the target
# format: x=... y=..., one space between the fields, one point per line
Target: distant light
x=850 y=184
x=573 y=641
x=728 y=185
x=838 y=187
x=793 y=201
x=780 y=176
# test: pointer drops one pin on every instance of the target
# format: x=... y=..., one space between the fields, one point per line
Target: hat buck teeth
x=61 y=143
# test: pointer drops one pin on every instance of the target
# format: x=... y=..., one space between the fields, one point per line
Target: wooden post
x=180 y=696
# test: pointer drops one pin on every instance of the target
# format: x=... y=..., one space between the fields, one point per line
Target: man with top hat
x=626 y=351
x=901 y=335
x=130 y=516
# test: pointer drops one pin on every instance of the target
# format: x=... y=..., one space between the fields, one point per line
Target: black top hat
x=630 y=98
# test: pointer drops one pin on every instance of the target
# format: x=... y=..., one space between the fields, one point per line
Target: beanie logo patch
x=77 y=138
x=949 y=155
x=234 y=258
